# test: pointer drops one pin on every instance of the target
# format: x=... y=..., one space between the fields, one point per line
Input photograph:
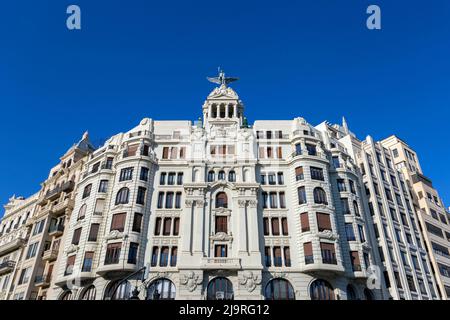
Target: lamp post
x=135 y=292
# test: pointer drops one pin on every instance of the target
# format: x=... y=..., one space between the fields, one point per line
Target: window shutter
x=176 y=226
x=166 y=153
x=132 y=150
x=284 y=226
x=279 y=153
x=275 y=227
x=307 y=249
x=118 y=221
x=304 y=220
x=355 y=258
x=99 y=206
x=323 y=221
x=71 y=260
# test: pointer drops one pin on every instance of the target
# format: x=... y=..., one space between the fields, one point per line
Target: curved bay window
x=67 y=295
x=320 y=196
x=161 y=289
x=321 y=290
x=221 y=200
x=89 y=293
x=122 y=196
x=220 y=288
x=118 y=290
x=279 y=289
x=351 y=294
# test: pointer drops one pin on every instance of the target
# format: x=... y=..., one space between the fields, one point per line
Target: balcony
x=12 y=245
x=56 y=230
x=60 y=208
x=54 y=194
x=309 y=259
x=50 y=255
x=42 y=281
x=222 y=263
x=7 y=267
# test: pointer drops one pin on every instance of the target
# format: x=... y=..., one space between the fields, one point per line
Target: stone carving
x=189 y=203
x=199 y=203
x=190 y=280
x=328 y=234
x=249 y=280
x=114 y=234
x=221 y=236
x=253 y=203
x=71 y=248
x=279 y=275
x=242 y=203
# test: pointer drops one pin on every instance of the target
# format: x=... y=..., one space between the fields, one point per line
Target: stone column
x=252 y=215
x=186 y=227
x=198 y=227
x=242 y=220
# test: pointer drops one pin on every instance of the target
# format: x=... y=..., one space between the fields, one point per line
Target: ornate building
x=219 y=209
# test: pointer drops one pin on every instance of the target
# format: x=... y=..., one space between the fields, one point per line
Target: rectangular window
x=118 y=222
x=323 y=221
x=221 y=224
x=99 y=207
x=113 y=253
x=109 y=163
x=267 y=257
x=176 y=226
x=304 y=221
x=266 y=226
x=180 y=178
x=341 y=185
x=171 y=178
x=158 y=226
x=87 y=262
x=345 y=206
x=93 y=232
x=362 y=237
x=275 y=227
x=328 y=253
x=279 y=153
x=287 y=257
x=162 y=178
x=137 y=222
x=349 y=232
x=144 y=174
x=277 y=259
x=76 y=236
x=282 y=200
x=173 y=152
x=69 y=265
x=356 y=264
x=301 y=195
x=311 y=149
x=183 y=153
x=284 y=226
x=132 y=253
x=32 y=249
x=308 y=252
x=174 y=257
x=299 y=173
x=126 y=174
x=178 y=200
x=169 y=200
x=280 y=178
x=273 y=200
x=316 y=173
x=352 y=186
x=336 y=163
x=140 y=199
x=103 y=186
x=154 y=260
x=160 y=200
x=220 y=251
x=167 y=226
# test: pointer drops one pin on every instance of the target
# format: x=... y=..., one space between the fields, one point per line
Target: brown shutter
x=304 y=221
x=307 y=249
x=298 y=171
x=269 y=152
x=93 y=232
x=165 y=153
x=217 y=251
x=50 y=271
x=323 y=221
x=132 y=149
x=176 y=226
x=89 y=255
x=173 y=153
x=355 y=258
x=275 y=227
x=182 y=152
x=167 y=223
x=76 y=236
x=266 y=226
x=279 y=153
x=327 y=246
x=118 y=221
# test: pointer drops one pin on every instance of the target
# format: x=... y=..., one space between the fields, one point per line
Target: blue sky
x=140 y=58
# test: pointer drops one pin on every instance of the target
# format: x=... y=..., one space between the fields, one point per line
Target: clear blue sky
x=141 y=58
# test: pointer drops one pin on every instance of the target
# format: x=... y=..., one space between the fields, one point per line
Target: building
x=14 y=234
x=433 y=218
x=218 y=209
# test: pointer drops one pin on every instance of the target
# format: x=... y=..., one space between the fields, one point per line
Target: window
x=301 y=195
x=220 y=288
x=320 y=196
x=118 y=221
x=109 y=162
x=287 y=256
x=169 y=200
x=275 y=227
x=361 y=233
x=266 y=226
x=284 y=226
x=173 y=152
x=140 y=199
x=211 y=175
x=351 y=294
x=352 y=186
x=299 y=173
x=316 y=173
x=126 y=174
x=89 y=293
x=311 y=149
x=280 y=178
x=144 y=174
x=160 y=200
x=434 y=230
x=282 y=200
x=356 y=208
x=232 y=176
x=182 y=152
x=345 y=206
x=328 y=253
x=395 y=153
x=137 y=222
x=132 y=253
x=93 y=232
x=87 y=191
x=171 y=178
x=113 y=253
x=103 y=186
x=271 y=177
x=304 y=221
x=308 y=252
x=99 y=206
x=154 y=260
x=323 y=221
x=176 y=226
x=273 y=200
x=267 y=257
x=32 y=249
x=76 y=236
x=82 y=212
x=321 y=290
x=349 y=232
x=158 y=226
x=221 y=175
x=173 y=257
x=298 y=149
x=122 y=196
x=341 y=185
x=411 y=284
x=220 y=251
x=180 y=178
x=279 y=289
x=277 y=260
x=178 y=200
x=167 y=226
x=69 y=265
x=221 y=200
x=221 y=224
x=162 y=178
x=87 y=262
x=356 y=264
x=161 y=289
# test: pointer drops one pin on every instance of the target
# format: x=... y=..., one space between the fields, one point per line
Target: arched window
x=220 y=288
x=82 y=212
x=161 y=289
x=118 y=290
x=122 y=196
x=211 y=176
x=221 y=200
x=279 y=289
x=246 y=175
x=232 y=176
x=89 y=293
x=221 y=175
x=320 y=196
x=321 y=290
x=67 y=295
x=195 y=176
x=367 y=294
x=351 y=294
x=356 y=208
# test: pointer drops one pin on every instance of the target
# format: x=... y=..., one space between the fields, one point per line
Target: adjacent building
x=218 y=209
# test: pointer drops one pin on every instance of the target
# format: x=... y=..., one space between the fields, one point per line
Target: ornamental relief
x=221 y=236
x=328 y=234
x=191 y=280
x=249 y=280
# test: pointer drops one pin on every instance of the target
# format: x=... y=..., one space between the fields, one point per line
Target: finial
x=221 y=79
x=345 y=125
x=85 y=135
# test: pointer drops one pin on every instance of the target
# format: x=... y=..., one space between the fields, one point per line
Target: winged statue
x=221 y=79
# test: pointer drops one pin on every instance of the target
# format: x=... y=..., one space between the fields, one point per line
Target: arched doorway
x=279 y=289
x=161 y=289
x=89 y=293
x=220 y=288
x=117 y=290
x=321 y=290
x=67 y=295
